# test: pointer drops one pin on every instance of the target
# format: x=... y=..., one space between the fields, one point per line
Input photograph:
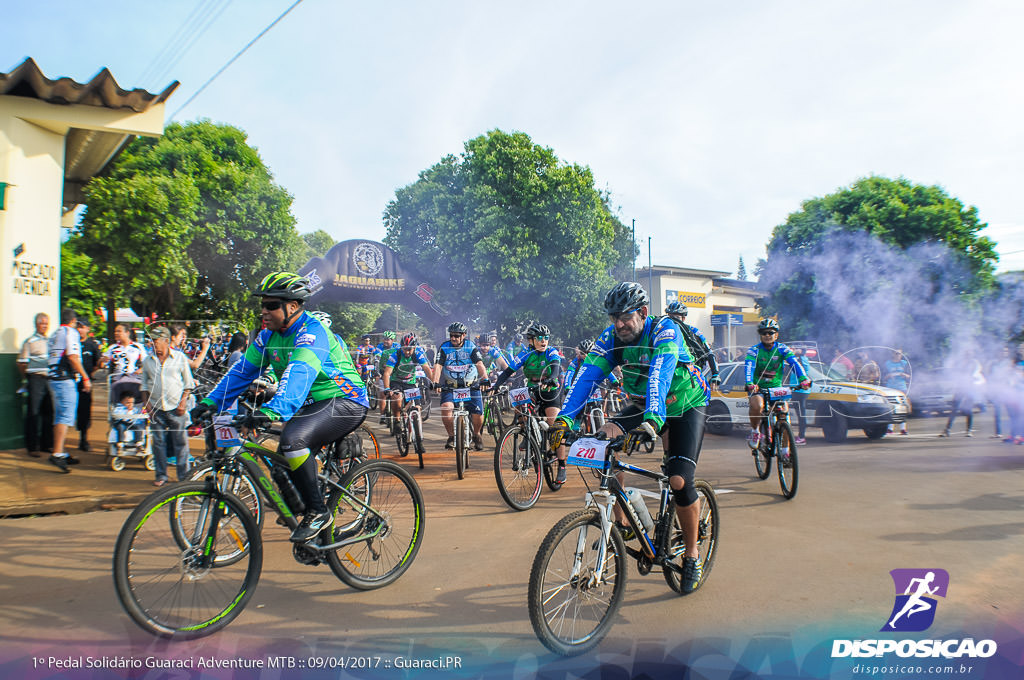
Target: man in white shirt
x=65 y=362
x=33 y=362
x=166 y=385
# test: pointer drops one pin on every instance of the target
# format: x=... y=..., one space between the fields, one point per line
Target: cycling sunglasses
x=616 y=317
x=767 y=332
x=272 y=305
x=541 y=337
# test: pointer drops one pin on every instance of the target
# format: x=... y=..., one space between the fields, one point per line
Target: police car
x=834 y=404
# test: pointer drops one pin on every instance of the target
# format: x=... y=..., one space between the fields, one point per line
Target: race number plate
x=596 y=395
x=227 y=435
x=414 y=393
x=779 y=393
x=460 y=394
x=588 y=452
x=519 y=396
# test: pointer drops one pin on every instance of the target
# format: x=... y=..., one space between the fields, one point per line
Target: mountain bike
x=775 y=430
x=578 y=578
x=523 y=455
x=188 y=559
x=463 y=429
x=493 y=422
x=334 y=461
x=410 y=424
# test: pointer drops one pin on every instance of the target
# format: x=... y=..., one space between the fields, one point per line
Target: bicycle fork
x=604 y=501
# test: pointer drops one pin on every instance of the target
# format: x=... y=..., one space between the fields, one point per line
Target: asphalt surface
x=789 y=577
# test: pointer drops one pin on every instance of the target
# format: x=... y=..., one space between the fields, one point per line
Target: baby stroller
x=128 y=436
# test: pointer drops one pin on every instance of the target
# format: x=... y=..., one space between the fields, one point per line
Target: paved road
x=796 y=573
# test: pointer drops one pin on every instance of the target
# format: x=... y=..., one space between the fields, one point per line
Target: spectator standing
x=865 y=370
x=90 y=360
x=1000 y=389
x=236 y=347
x=34 y=366
x=842 y=364
x=897 y=377
x=179 y=339
x=970 y=384
x=166 y=385
x=800 y=394
x=65 y=362
x=125 y=360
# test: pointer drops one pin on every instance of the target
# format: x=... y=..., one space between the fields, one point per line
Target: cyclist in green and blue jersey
x=320 y=395
x=763 y=369
x=668 y=398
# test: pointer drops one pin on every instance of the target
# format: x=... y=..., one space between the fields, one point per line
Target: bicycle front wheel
x=571 y=607
x=461 y=447
x=382 y=502
x=763 y=453
x=186 y=591
x=708 y=530
x=787 y=466
x=517 y=470
x=402 y=437
x=238 y=483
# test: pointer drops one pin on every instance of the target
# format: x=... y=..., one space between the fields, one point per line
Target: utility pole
x=632 y=250
x=650 y=274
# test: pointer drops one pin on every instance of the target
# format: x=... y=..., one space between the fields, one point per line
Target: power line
x=185 y=42
x=232 y=60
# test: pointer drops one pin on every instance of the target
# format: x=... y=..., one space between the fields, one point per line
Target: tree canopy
x=184 y=225
x=517 y=233
x=882 y=260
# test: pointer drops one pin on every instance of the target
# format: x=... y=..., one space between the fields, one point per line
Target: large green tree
x=883 y=261
x=509 y=232
x=186 y=224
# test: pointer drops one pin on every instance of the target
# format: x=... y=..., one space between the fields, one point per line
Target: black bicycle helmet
x=537 y=329
x=676 y=307
x=457 y=327
x=585 y=346
x=625 y=297
x=284 y=286
x=482 y=340
x=768 y=325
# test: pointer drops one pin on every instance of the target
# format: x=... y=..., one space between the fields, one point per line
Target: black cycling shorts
x=685 y=435
x=546 y=398
x=321 y=423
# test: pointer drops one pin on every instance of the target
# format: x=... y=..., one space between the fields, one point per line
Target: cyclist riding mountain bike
x=494 y=358
x=400 y=372
x=319 y=397
x=763 y=366
x=668 y=398
x=696 y=343
x=542 y=367
x=364 y=357
x=385 y=349
x=459 y=363
x=516 y=346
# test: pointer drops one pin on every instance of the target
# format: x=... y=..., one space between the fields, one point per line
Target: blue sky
x=708 y=122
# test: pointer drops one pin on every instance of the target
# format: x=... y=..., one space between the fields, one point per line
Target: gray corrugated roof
x=26 y=80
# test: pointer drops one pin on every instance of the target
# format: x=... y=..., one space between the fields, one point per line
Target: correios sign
x=368 y=271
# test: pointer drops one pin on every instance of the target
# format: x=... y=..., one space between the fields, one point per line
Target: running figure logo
x=914 y=609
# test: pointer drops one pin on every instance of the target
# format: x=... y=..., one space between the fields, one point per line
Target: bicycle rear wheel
x=551 y=471
x=708 y=531
x=570 y=610
x=461 y=447
x=763 y=452
x=402 y=438
x=517 y=471
x=175 y=590
x=788 y=468
x=390 y=516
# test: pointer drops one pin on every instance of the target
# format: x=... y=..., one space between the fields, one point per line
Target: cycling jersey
x=404 y=367
x=763 y=365
x=491 y=357
x=537 y=365
x=458 y=364
x=66 y=341
x=125 y=359
x=308 y=361
x=657 y=371
x=383 y=354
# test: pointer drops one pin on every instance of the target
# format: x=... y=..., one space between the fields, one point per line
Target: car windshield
x=819 y=372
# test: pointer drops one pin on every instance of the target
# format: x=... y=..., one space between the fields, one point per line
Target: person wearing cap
x=167 y=383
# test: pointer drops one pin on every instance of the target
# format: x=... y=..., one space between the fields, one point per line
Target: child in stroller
x=129 y=427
